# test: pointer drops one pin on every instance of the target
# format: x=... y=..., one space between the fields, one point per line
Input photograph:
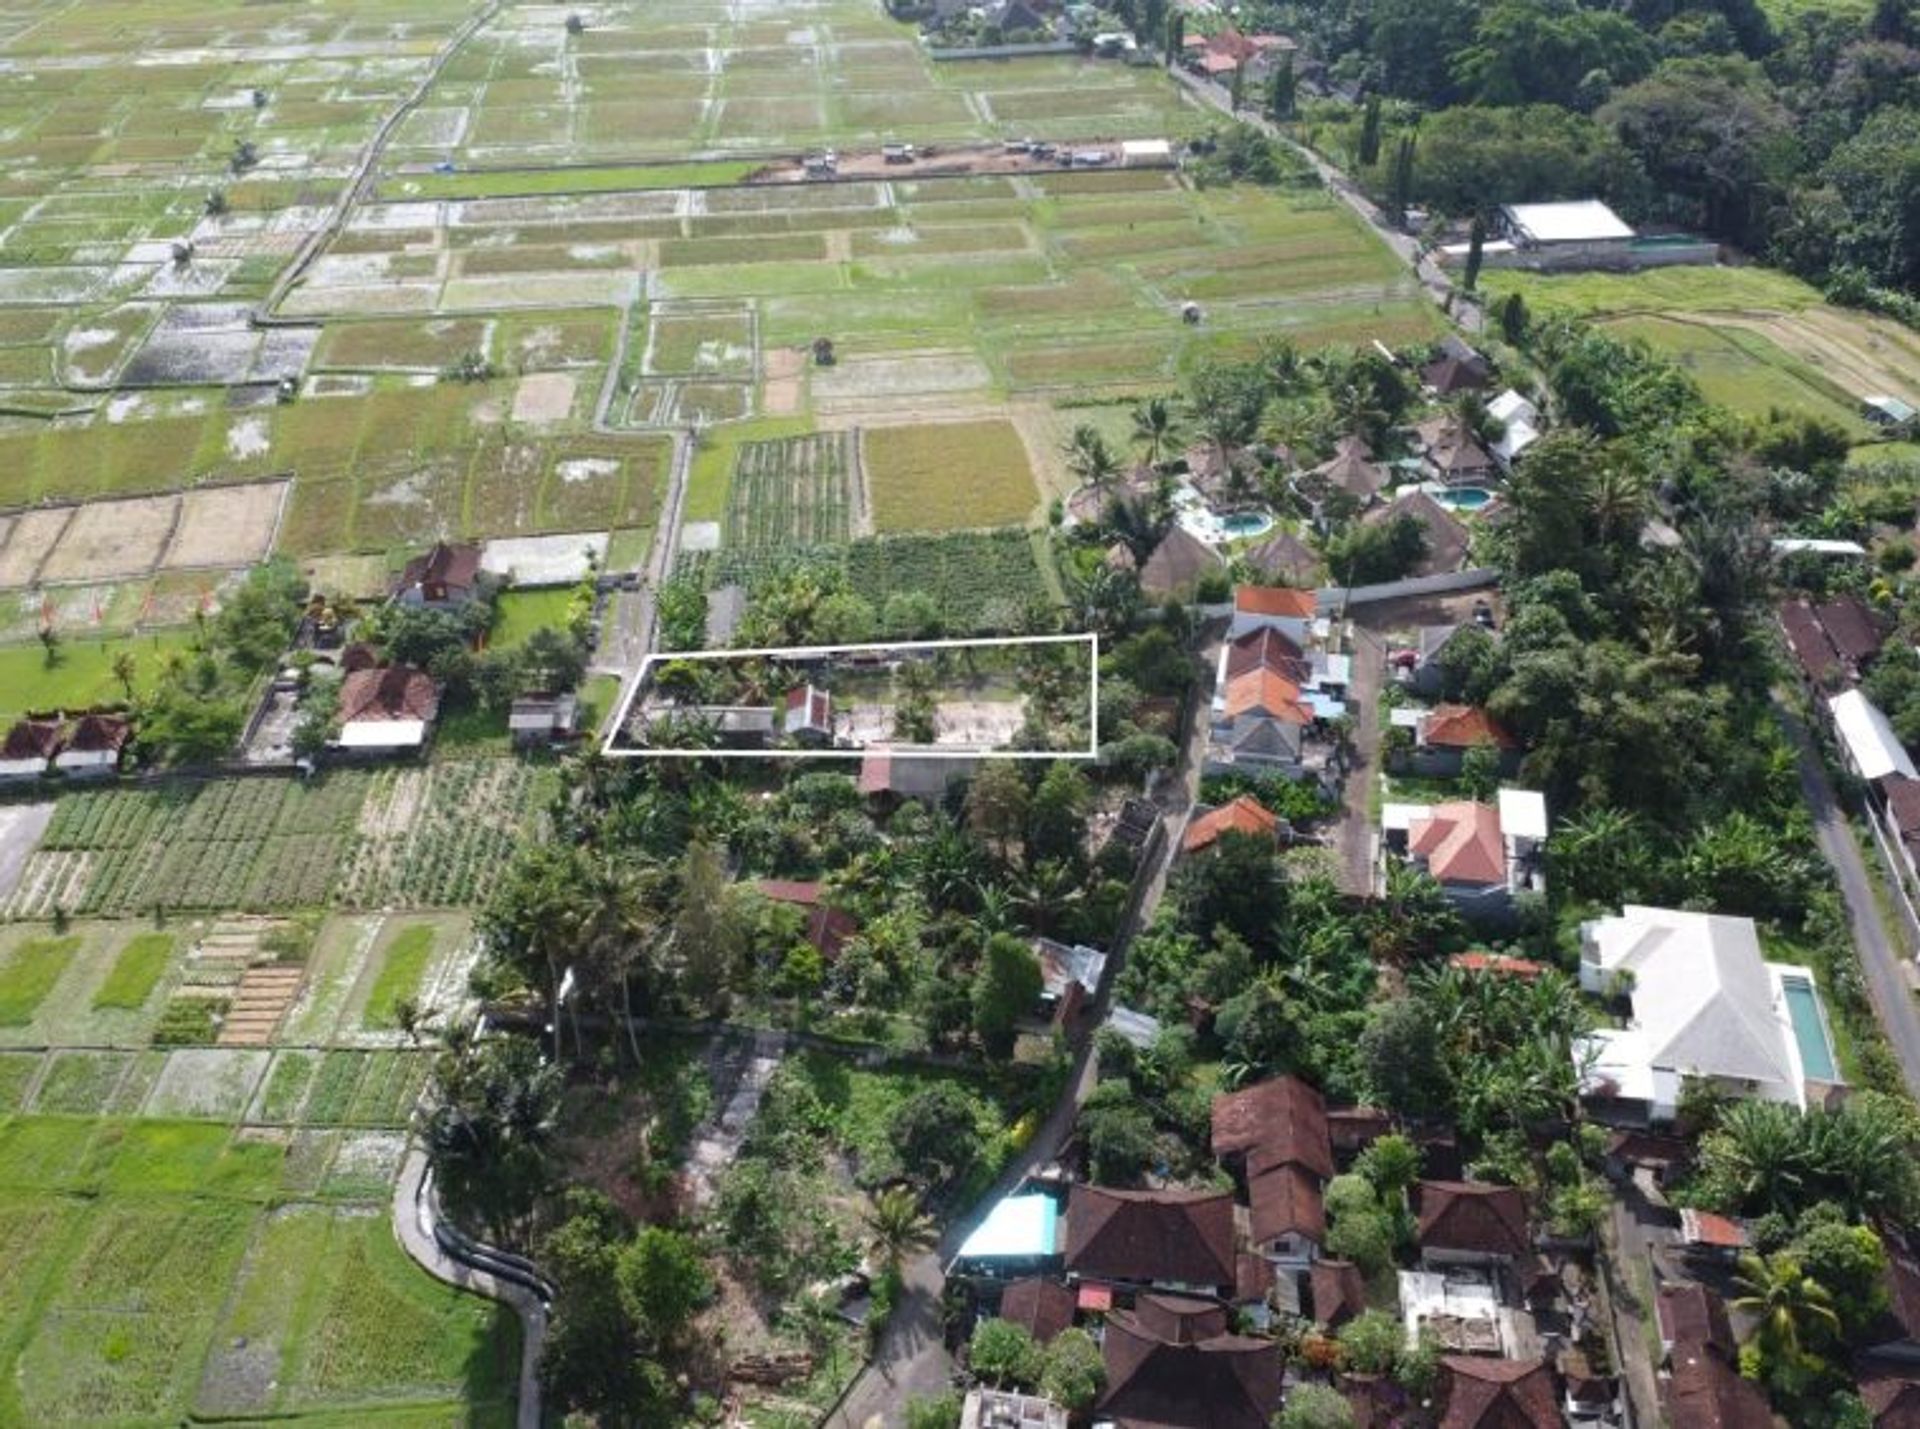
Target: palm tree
x=897 y=1228
x=1154 y=424
x=123 y=671
x=1759 y=1149
x=1789 y=1304
x=1617 y=501
x=1090 y=458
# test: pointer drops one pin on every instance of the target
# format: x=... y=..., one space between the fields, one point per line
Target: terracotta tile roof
x=1461 y=843
x=1283 y=1116
x=1245 y=815
x=1903 y=1290
x=1807 y=641
x=812 y=707
x=1708 y=1393
x=1470 y=1216
x=1264 y=692
x=1691 y=1314
x=98 y=734
x=1276 y=601
x=1284 y=1199
x=32 y=739
x=1463 y=727
x=1041 y=1307
x=1903 y=802
x=1267 y=649
x=1526 y=969
x=1252 y=1278
x=1179 y=1320
x=1892 y=1397
x=1339 y=1291
x=1352 y=1128
x=827 y=928
x=1499 y=1394
x=1851 y=627
x=1706 y=1228
x=1183 y=1237
x=1451 y=374
x=389 y=692
x=1226 y=1382
x=454 y=567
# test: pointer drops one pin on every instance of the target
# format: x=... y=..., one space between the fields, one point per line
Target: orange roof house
x=1461 y=843
x=1245 y=815
x=1275 y=600
x=1266 y=693
x=1463 y=727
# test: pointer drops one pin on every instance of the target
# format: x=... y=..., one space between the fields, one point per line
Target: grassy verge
x=401 y=970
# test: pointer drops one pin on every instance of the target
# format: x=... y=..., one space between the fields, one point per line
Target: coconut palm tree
x=1090 y=458
x=1154 y=425
x=1790 y=1305
x=897 y=1228
x=1760 y=1153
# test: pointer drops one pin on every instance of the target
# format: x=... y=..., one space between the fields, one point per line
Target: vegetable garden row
x=796 y=492
x=432 y=837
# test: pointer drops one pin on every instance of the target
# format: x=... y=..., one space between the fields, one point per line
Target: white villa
x=1705 y=1004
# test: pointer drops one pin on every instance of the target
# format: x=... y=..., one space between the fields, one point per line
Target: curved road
x=415 y=1212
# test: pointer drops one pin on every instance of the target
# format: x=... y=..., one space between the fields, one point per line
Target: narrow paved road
x=414 y=1213
x=1355 y=836
x=912 y=1356
x=1880 y=961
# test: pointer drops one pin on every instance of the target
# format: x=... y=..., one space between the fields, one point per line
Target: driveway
x=1882 y=964
x=1356 y=834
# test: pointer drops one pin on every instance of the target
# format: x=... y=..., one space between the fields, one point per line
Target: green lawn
x=521 y=612
x=81 y=673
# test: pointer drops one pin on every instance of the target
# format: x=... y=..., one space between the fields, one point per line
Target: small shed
x=1885 y=410
x=538 y=720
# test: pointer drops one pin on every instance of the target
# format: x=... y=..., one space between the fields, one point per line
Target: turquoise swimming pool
x=1463 y=498
x=1246 y=523
x=1803 y=1009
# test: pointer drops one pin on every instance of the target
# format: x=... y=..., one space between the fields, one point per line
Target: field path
x=263 y=315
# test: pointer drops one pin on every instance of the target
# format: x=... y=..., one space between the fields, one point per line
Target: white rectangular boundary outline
x=638 y=680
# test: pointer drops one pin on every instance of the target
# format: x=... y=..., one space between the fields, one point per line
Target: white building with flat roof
x=1541 y=225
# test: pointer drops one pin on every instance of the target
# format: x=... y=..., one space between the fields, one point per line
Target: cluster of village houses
x=386 y=708
x=1181 y=1286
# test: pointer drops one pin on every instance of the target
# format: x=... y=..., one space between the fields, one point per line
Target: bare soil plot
x=921 y=374
x=226 y=526
x=543 y=397
x=20 y=828
x=29 y=537
x=110 y=540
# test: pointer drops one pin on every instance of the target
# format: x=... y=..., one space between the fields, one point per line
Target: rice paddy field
x=202 y=1231
x=1754 y=339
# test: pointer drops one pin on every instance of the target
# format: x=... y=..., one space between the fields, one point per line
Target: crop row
x=441 y=838
x=796 y=492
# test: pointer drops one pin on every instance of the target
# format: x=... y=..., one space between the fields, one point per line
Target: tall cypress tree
x=1476 y=242
x=1370 y=133
x=1176 y=36
x=1400 y=191
x=1282 y=90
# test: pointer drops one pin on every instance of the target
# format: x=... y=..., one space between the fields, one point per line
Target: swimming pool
x=1242 y=524
x=1803 y=1009
x=1463 y=498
